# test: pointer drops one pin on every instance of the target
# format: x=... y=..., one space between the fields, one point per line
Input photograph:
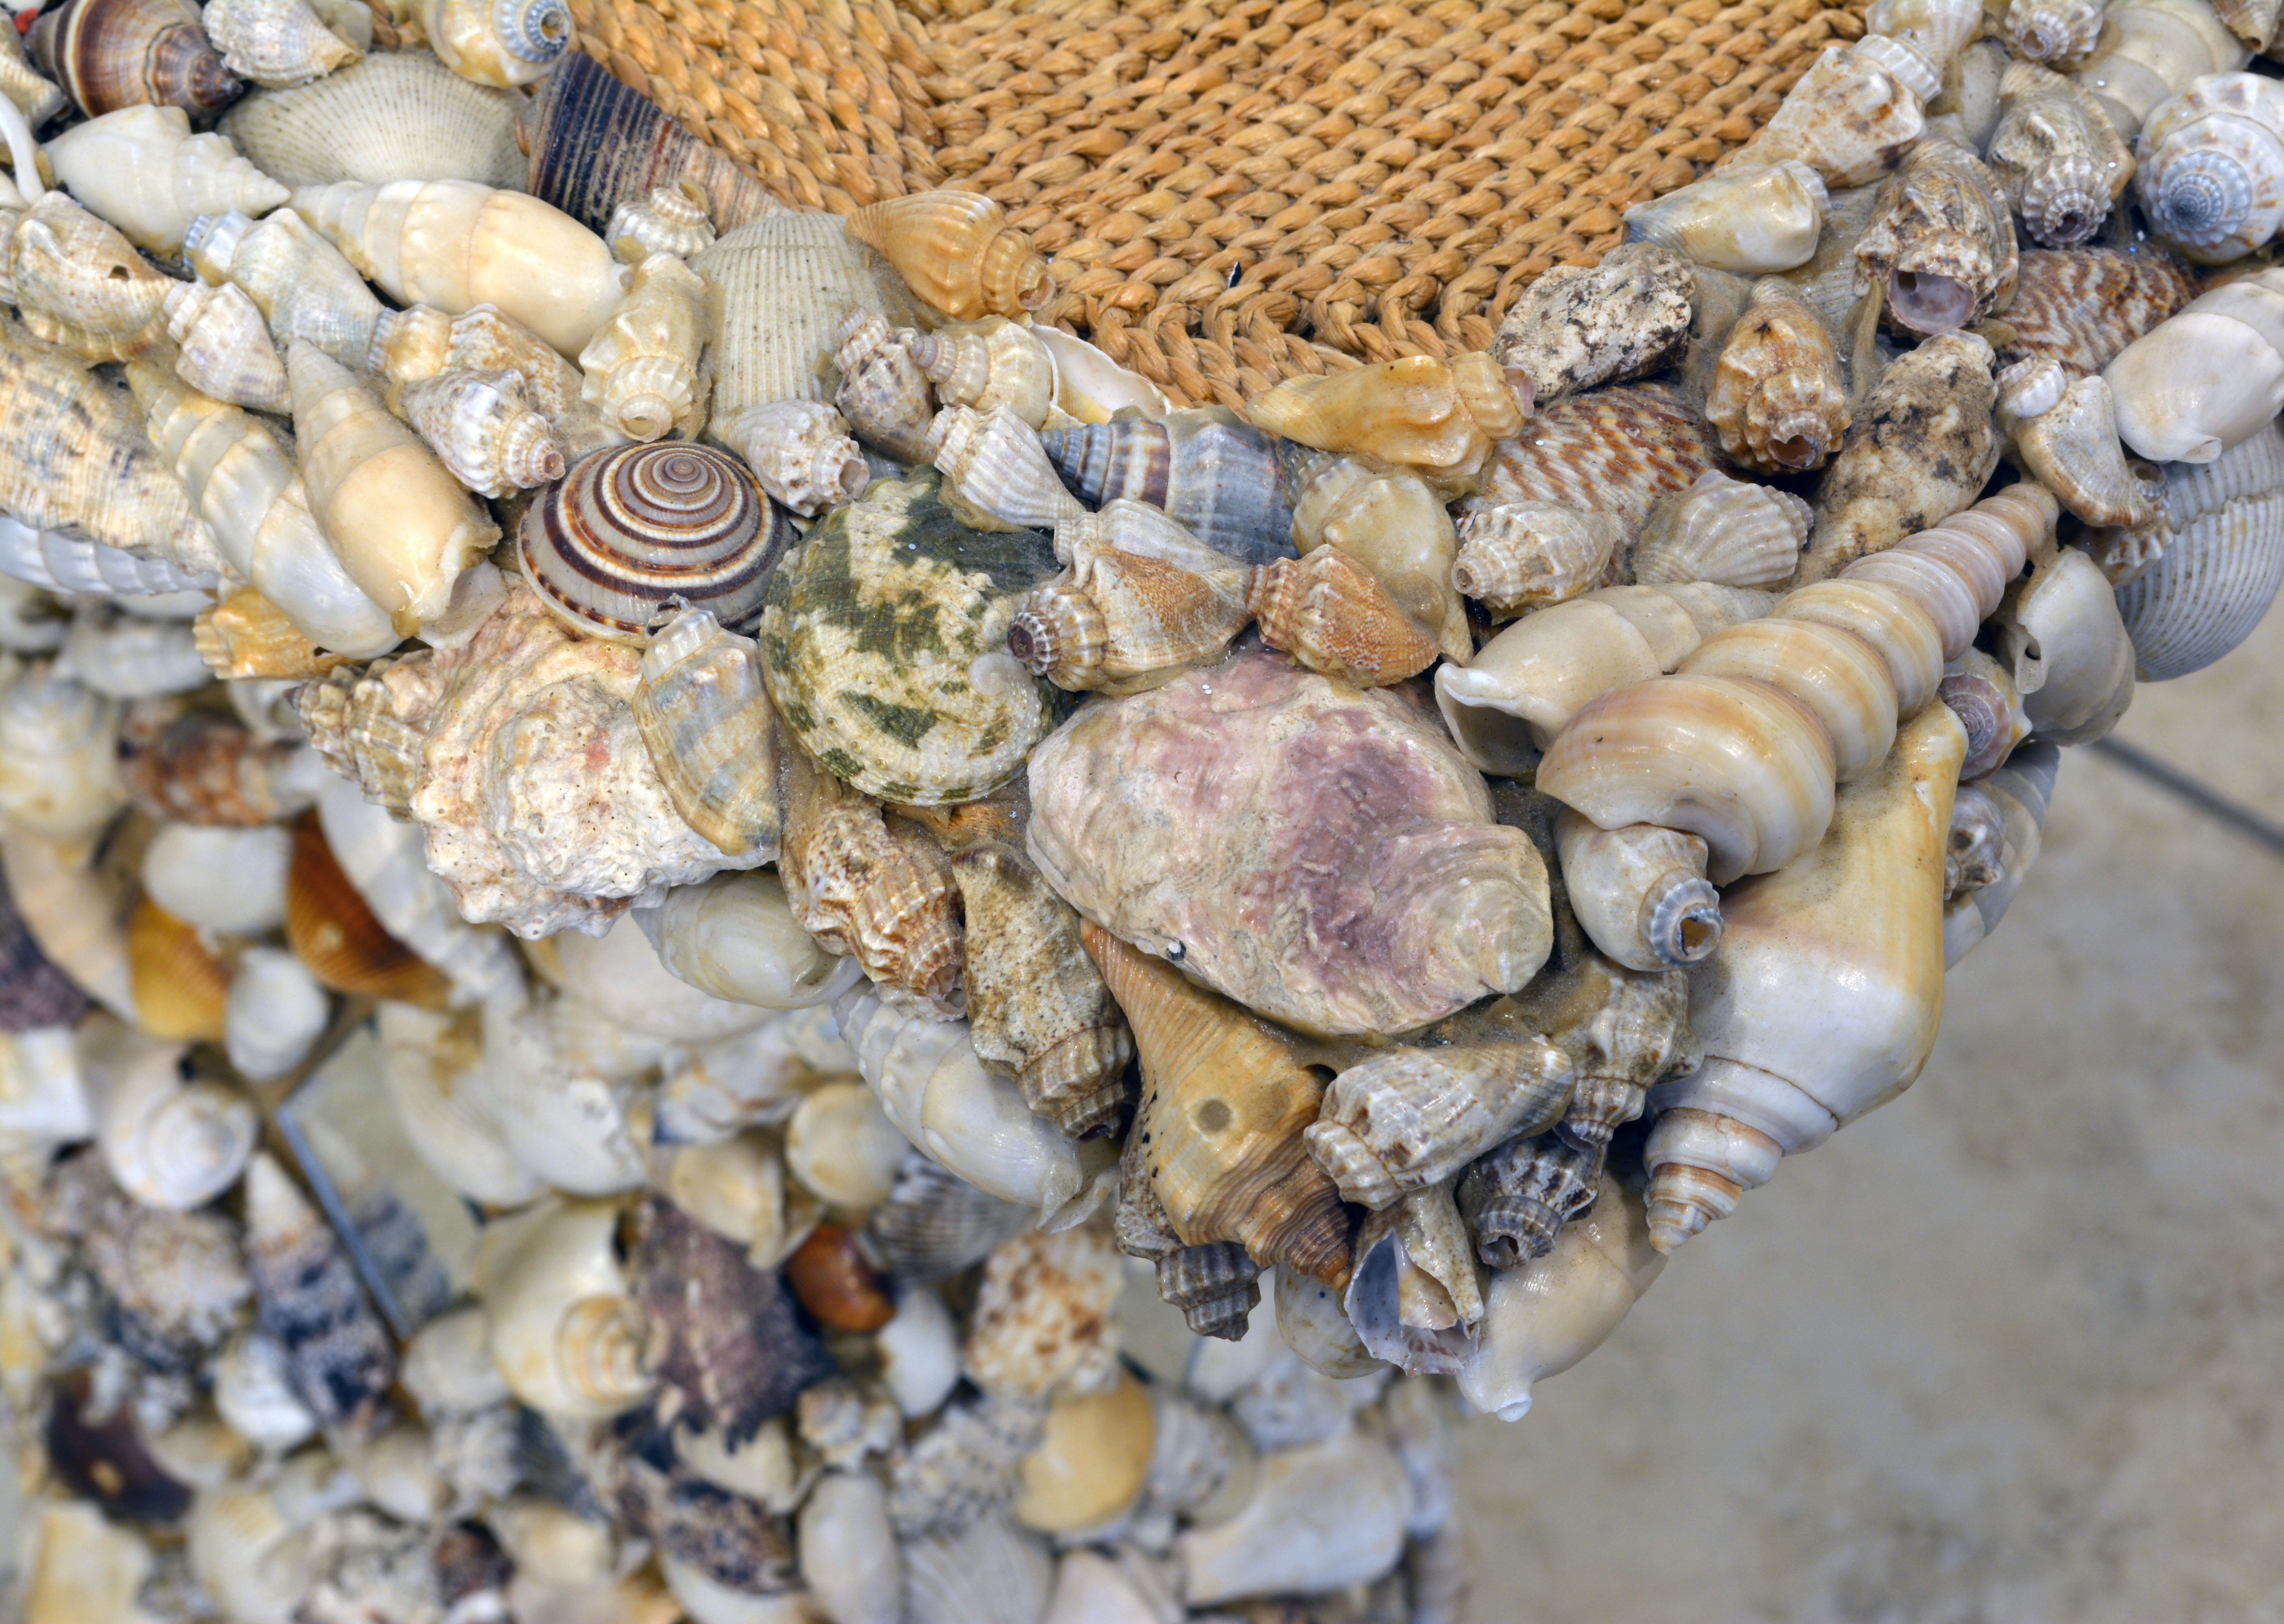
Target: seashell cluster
x=631 y=1105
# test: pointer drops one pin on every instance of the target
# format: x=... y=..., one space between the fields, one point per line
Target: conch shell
x=142 y=170
x=1226 y=1103
x=1779 y=400
x=1221 y=479
x=670 y=219
x=1439 y=417
x=1941 y=246
x=1333 y=615
x=1751 y=220
x=1396 y=527
x=2055 y=156
x=2212 y=167
x=2207 y=378
x=800 y=453
x=882 y=391
x=1824 y=1001
x=956 y=250
x=642 y=369
x=987 y=365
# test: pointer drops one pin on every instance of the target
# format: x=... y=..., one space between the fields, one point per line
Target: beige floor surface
x=2010 y=1351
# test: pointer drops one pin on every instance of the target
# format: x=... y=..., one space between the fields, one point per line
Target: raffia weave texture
x=1233 y=191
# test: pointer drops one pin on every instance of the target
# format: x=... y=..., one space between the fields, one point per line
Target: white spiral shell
x=2212 y=161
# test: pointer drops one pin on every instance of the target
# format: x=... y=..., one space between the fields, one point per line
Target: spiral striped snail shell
x=634 y=530
x=110 y=54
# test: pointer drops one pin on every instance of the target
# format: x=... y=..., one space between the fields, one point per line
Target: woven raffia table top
x=1233 y=191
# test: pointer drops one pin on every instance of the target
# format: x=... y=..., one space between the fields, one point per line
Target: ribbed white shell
x=398 y=116
x=63 y=563
x=2222 y=565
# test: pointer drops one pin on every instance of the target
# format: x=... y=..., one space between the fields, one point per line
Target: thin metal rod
x=2241 y=818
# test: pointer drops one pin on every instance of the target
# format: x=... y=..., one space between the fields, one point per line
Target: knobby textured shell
x=2150 y=49
x=1578 y=326
x=1333 y=615
x=885 y=643
x=956 y=251
x=2057 y=31
x=398 y=116
x=2223 y=559
x=2053 y=151
x=109 y=54
x=631 y=532
x=1119 y=622
x=882 y=391
x=81 y=283
x=1779 y=400
x=478 y=424
x=988 y=363
x=667 y=220
x=1942 y=242
x=2071 y=446
x=642 y=369
x=1526 y=555
x=275 y=42
x=801 y=452
x=225 y=350
x=2212 y=167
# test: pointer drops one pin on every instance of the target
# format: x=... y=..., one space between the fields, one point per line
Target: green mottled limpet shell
x=884 y=646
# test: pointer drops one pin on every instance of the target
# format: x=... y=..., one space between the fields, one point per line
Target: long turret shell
x=142 y=170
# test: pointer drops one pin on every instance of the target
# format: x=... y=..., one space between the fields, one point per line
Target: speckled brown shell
x=1333 y=615
x=1779 y=399
x=2080 y=307
x=1615 y=450
x=1578 y=326
x=201 y=769
x=1942 y=242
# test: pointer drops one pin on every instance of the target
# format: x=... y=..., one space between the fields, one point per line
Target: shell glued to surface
x=956 y=251
x=1436 y=418
x=1578 y=326
x=304 y=285
x=482 y=431
x=223 y=347
x=1221 y=479
x=1848 y=118
x=1941 y=247
x=1522 y=555
x=109 y=54
x=1750 y=219
x=142 y=170
x=2055 y=156
x=1779 y=399
x=1120 y=622
x=275 y=43
x=2207 y=376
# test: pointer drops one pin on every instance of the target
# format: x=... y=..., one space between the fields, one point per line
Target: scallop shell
x=1942 y=242
x=2073 y=449
x=2081 y=307
x=1750 y=219
x=81 y=283
x=865 y=887
x=595 y=144
x=2212 y=167
x=181 y=987
x=956 y=250
x=480 y=429
x=142 y=170
x=1120 y=622
x=109 y=54
x=394 y=117
x=338 y=1356
x=502 y=43
x=2062 y=32
x=304 y=286
x=1921 y=446
x=1221 y=479
x=885 y=639
x=1038 y=1008
x=989 y=363
x=1528 y=555
x=635 y=531
x=935 y=1224
x=800 y=453
x=784 y=286
x=275 y=43
x=2150 y=49
x=225 y=348
x=642 y=370
x=1333 y=616
x=1238 y=882
x=1438 y=417
x=2222 y=563
x=1725 y=531
x=1848 y=118
x=2055 y=156
x=1578 y=326
x=1615 y=450
x=1778 y=398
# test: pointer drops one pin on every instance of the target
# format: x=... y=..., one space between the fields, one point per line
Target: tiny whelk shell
x=2221 y=561
x=1440 y=418
x=638 y=532
x=1824 y=1000
x=2150 y=49
x=1238 y=884
x=1293 y=1536
x=994 y=461
x=1519 y=556
x=1750 y=219
x=642 y=367
x=58 y=745
x=396 y=115
x=1541 y=1319
x=81 y=283
x=1036 y=1004
x=2207 y=378
x=304 y=286
x=1941 y=241
x=873 y=890
x=1612 y=450
x=275 y=43
x=1578 y=326
x=1504 y=706
x=1221 y=479
x=885 y=646
x=569 y=1337
x=1639 y=892
x=338 y=1356
x=1225 y=1102
x=956 y=250
x=225 y=350
x=800 y=453
x=989 y=363
x=2018 y=791
x=167 y=1143
x=667 y=220
x=2032 y=388
x=1120 y=622
x=1393 y=524
x=710 y=731
x=2212 y=167
x=1778 y=401
x=2062 y=32
x=2072 y=449
x=142 y=170
x=1848 y=117
x=455 y=245
x=400 y=525
x=1333 y=616
x=502 y=43
x=1415 y=1300
x=1413 y=1118
x=2055 y=156
x=882 y=391
x=1981 y=692
x=482 y=431
x=410 y=345
x=1923 y=443
x=1723 y=530
x=110 y=54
